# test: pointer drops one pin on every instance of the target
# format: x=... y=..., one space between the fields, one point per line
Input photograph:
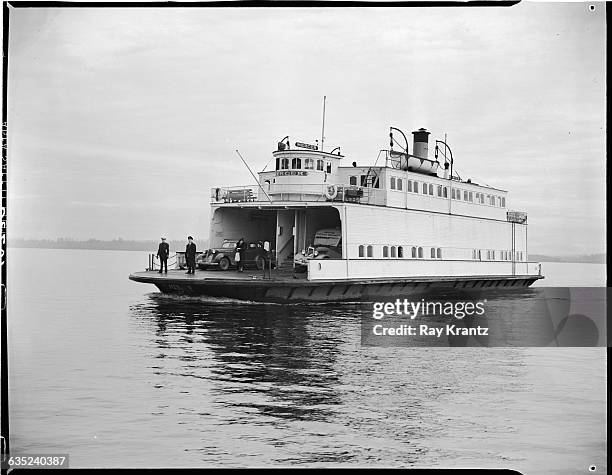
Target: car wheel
x=259 y=262
x=224 y=263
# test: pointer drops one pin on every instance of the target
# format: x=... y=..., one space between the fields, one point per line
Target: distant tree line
x=118 y=244
x=583 y=258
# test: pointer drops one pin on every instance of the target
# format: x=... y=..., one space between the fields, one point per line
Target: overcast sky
x=121 y=120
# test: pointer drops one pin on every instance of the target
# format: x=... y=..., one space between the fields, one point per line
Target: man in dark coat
x=162 y=253
x=240 y=249
x=190 y=255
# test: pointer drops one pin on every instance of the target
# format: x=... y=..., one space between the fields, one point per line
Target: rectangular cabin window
x=376 y=183
x=465 y=195
x=416 y=187
x=393 y=183
x=320 y=165
x=452 y=193
x=399 y=184
x=439 y=191
x=363 y=180
x=409 y=185
x=309 y=164
x=503 y=202
x=431 y=189
x=329 y=167
x=471 y=196
x=445 y=192
x=296 y=163
x=278 y=163
x=424 y=188
x=353 y=181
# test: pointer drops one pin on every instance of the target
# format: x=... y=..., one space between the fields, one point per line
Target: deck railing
x=296 y=192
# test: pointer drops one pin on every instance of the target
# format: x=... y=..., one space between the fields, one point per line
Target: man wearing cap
x=190 y=255
x=162 y=253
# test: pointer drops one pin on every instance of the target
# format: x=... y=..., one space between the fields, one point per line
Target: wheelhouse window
x=309 y=164
x=320 y=165
x=285 y=164
x=296 y=163
x=353 y=181
x=278 y=163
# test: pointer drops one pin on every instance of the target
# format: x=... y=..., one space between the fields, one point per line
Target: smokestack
x=420 y=145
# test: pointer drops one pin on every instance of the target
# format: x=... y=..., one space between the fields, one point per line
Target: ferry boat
x=345 y=231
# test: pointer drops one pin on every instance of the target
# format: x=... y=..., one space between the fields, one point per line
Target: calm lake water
x=116 y=375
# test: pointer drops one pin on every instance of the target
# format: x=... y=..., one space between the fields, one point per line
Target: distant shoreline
x=151 y=246
x=99 y=245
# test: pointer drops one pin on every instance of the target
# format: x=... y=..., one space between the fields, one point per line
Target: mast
x=323 y=128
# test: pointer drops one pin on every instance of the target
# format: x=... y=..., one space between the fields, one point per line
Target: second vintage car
x=327 y=244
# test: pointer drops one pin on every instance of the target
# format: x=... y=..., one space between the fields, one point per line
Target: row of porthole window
x=493 y=255
x=456 y=194
x=398 y=252
x=309 y=164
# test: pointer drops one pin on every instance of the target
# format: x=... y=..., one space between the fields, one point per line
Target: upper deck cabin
x=305 y=174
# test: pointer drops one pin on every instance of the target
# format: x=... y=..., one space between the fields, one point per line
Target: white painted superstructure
x=397 y=219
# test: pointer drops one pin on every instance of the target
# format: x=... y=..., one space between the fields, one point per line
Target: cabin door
x=285 y=222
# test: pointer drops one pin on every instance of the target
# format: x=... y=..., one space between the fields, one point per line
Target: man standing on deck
x=190 y=255
x=162 y=253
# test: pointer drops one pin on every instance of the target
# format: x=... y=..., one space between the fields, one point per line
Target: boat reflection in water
x=254 y=384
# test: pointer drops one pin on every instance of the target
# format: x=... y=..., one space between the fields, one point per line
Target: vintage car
x=224 y=257
x=327 y=244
